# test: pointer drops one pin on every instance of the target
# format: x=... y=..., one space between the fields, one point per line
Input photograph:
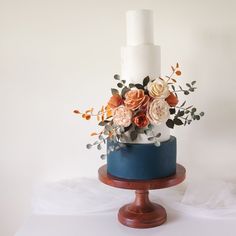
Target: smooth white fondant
x=137 y=62
x=139 y=28
x=141 y=58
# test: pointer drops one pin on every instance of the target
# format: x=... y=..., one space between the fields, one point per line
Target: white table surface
x=107 y=224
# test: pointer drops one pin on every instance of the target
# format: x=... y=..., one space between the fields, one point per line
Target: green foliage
x=103 y=123
x=116 y=77
x=133 y=135
x=124 y=91
x=139 y=86
x=119 y=85
x=89 y=146
x=114 y=91
x=103 y=156
x=146 y=81
x=170 y=123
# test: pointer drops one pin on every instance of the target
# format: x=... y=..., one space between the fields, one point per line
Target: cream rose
x=158 y=111
x=158 y=89
x=122 y=116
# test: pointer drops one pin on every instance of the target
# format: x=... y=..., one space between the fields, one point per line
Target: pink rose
x=122 y=116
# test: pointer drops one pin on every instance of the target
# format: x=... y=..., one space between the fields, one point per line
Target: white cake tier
x=142 y=138
x=141 y=58
x=137 y=62
x=139 y=27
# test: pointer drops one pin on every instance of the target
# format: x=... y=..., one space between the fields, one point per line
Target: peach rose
x=141 y=120
x=115 y=101
x=158 y=111
x=122 y=116
x=158 y=89
x=172 y=100
x=135 y=99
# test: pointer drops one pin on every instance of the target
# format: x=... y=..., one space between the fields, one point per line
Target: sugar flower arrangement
x=135 y=108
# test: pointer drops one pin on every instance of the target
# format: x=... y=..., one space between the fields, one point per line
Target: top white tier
x=139 y=27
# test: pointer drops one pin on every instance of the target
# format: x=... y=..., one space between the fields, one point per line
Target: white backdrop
x=59 y=55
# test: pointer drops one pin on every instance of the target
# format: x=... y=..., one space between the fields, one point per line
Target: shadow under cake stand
x=142 y=213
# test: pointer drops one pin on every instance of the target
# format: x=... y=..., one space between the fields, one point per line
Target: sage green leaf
x=114 y=91
x=117 y=77
x=133 y=135
x=151 y=138
x=124 y=91
x=99 y=147
x=146 y=81
x=170 y=123
x=178 y=121
x=89 y=146
x=157 y=144
x=120 y=85
x=103 y=156
x=139 y=86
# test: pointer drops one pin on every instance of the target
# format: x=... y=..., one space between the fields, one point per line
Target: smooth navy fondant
x=142 y=161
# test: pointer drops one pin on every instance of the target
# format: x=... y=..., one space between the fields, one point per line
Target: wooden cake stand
x=142 y=213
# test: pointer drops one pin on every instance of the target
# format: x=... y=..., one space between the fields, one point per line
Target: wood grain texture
x=142 y=213
x=106 y=178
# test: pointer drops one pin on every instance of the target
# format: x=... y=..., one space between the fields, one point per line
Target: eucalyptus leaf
x=197 y=117
x=117 y=77
x=148 y=132
x=151 y=138
x=120 y=85
x=99 y=146
x=178 y=121
x=89 y=146
x=102 y=123
x=103 y=156
x=133 y=135
x=114 y=91
x=96 y=142
x=183 y=104
x=157 y=144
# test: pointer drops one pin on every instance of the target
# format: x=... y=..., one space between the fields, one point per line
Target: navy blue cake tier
x=142 y=161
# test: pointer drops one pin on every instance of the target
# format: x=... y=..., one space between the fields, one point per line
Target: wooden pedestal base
x=142 y=213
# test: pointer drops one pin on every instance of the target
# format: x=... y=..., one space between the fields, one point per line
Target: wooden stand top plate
x=142 y=213
x=166 y=182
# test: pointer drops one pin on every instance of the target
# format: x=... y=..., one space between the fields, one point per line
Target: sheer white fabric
x=212 y=199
